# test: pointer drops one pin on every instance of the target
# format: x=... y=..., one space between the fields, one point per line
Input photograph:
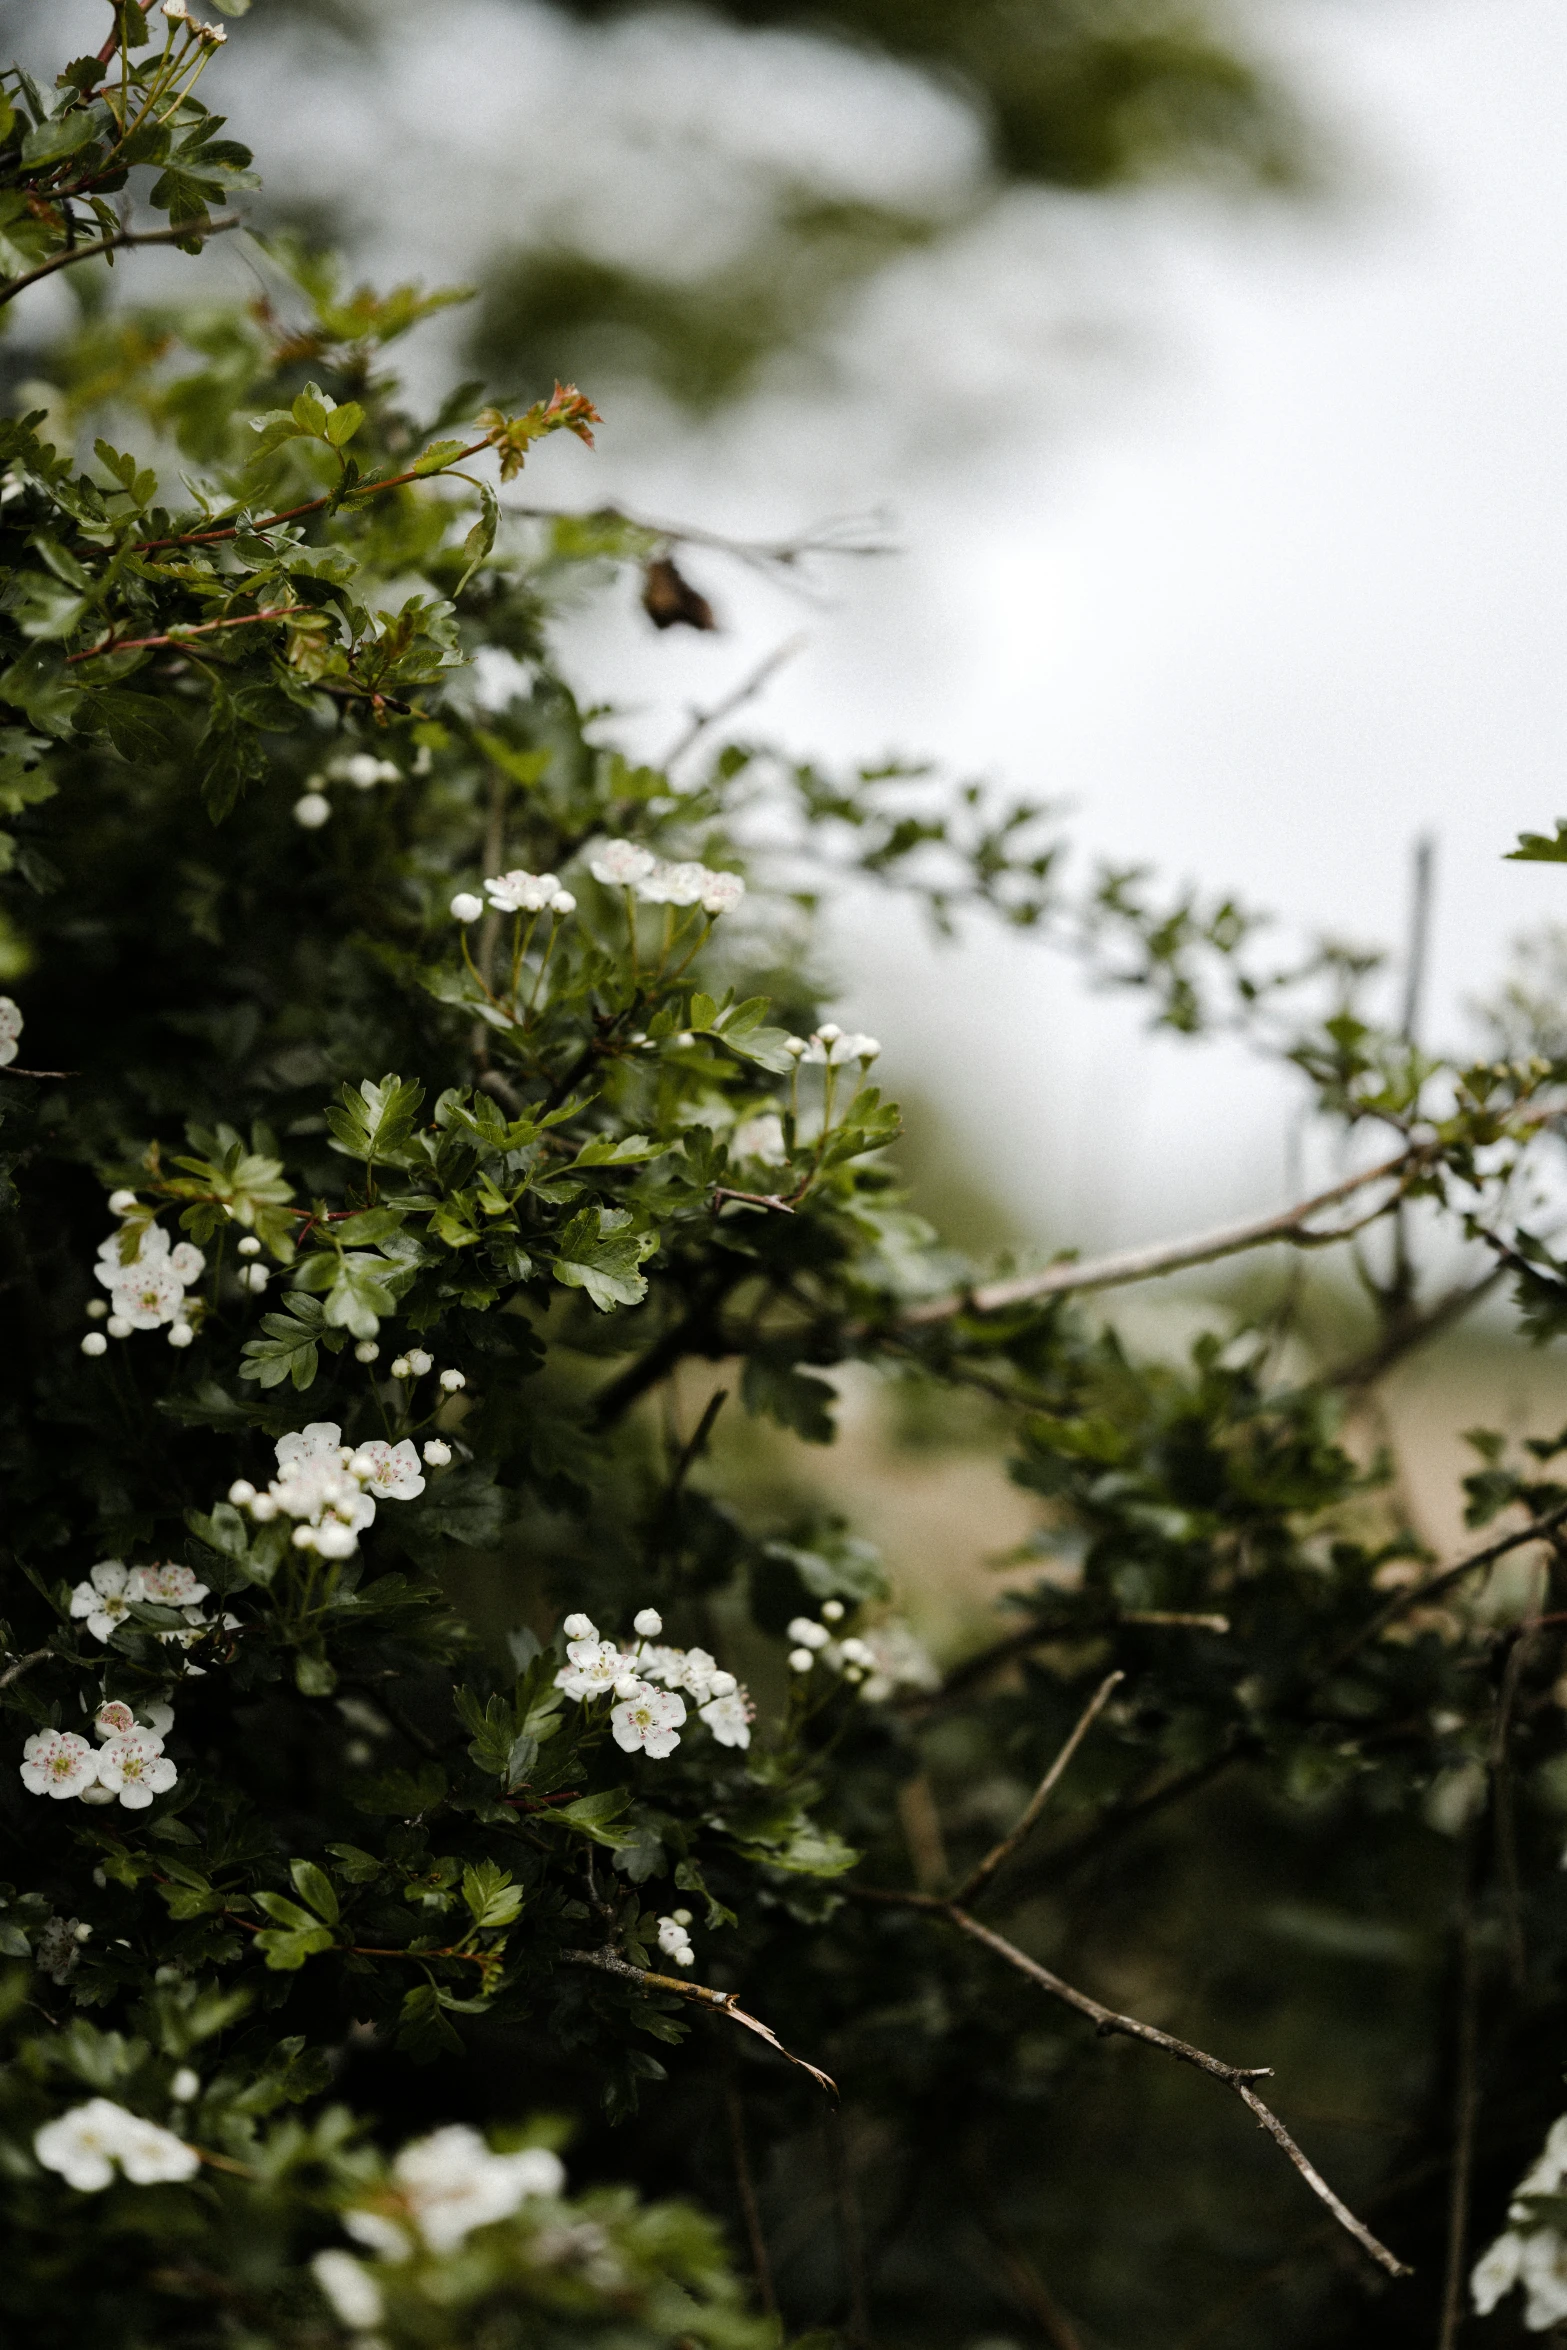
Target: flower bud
x=828 y=1033
x=419 y=1362
x=121 y=1202
x=250 y=1246
x=648 y=1623
x=466 y=907
x=682 y=1917
x=580 y=1627
x=436 y=1453
x=95 y=1343
x=312 y=810
x=180 y=1334
x=800 y=1660
x=452 y=1381
x=400 y=1368
x=242 y=1493
x=304 y=1538
x=806 y=1632
x=263 y=1508
x=96 y=1309
x=366 y=1351
x=724 y=1684
x=117 y=1326
x=832 y=1611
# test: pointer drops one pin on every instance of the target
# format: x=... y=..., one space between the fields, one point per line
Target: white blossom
x=831 y=1045
x=135 y=1768
x=113 y=1719
x=103 y=1599
x=761 y=1137
x=11 y=1025
x=592 y=1667
x=58 y=1763
x=721 y=893
x=466 y=907
x=621 y=864
x=647 y=1623
x=148 y=1297
x=673 y=885
x=348 y=2285
x=650 y=1719
x=187 y=1262
x=696 y=1673
x=729 y=1718
x=84 y=2144
x=392 y=1470
x=898 y=1660
x=452 y=2183
x=312 y=810
x=381 y=2233
x=1496 y=2271
x=521 y=893
x=167 y=1586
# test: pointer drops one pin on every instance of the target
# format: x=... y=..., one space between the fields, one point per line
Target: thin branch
x=1108 y=2022
x=1000 y=1652
x=23 y=1664
x=180 y=636
x=9 y=1069
x=1169 y=1256
x=361 y=489
x=1414 y=1330
x=725 y=2002
x=980 y=1875
x=745 y=2187
x=1466 y=2108
x=117 y=244
x=1422 y=1594
x=746 y=691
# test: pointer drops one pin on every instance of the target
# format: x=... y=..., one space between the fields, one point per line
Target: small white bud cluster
x=331 y=1488
x=518 y=892
x=415 y=1364
x=832 y=1046
x=651 y=1683
x=674 y=1940
x=884 y=1659
x=362 y=769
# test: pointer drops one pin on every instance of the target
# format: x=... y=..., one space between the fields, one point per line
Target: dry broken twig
x=702 y=1995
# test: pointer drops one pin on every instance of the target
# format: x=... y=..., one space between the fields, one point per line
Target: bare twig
x=1169 y=1256
x=745 y=2188
x=702 y=1995
x=980 y=1875
x=746 y=691
x=1466 y=2107
x=1503 y=1808
x=180 y=636
x=116 y=244
x=9 y=1069
x=1422 y=1594
x=23 y=1664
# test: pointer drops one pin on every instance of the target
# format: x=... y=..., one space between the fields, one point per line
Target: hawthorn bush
x=440 y=1793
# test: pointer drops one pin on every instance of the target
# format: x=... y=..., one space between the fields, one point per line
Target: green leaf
x=793 y=1398
x=1538 y=848
x=605 y=1264
x=477 y=545
x=67 y=134
x=423 y=2031
x=343 y=423
x=401 y=1795
x=288 y=1351
x=286 y=1950
x=375 y=1120
x=313 y=1885
x=492 y=1898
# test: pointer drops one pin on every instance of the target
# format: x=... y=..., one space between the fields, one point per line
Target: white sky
x=1259 y=561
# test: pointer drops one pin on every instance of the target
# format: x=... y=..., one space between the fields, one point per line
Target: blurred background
x=1201 y=373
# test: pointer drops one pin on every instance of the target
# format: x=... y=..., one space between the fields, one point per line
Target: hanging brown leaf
x=670 y=601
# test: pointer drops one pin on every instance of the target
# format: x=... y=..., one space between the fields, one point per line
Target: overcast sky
x=1258 y=562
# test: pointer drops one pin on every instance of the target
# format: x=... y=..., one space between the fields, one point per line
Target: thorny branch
x=725 y=2002
x=118 y=244
x=1108 y=2020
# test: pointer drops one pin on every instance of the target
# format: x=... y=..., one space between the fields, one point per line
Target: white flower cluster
x=674 y=1940
x=148 y=1291
x=622 y=864
x=648 y=1680
x=832 y=1046
x=884 y=1659
x=518 y=892
x=84 y=2145
x=129 y=1766
x=442 y=2188
x=111 y=1588
x=1533 y=2257
x=11 y=1026
x=331 y=1488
